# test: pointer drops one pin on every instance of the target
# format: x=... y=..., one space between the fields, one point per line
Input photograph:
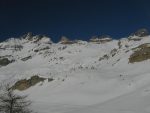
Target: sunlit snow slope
x=88 y=77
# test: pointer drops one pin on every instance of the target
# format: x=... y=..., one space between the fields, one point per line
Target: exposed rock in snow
x=25 y=84
x=65 y=40
x=139 y=34
x=101 y=39
x=141 y=53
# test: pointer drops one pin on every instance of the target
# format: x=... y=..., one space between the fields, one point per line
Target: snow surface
x=82 y=83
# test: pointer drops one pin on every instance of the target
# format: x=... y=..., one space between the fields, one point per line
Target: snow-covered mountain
x=110 y=76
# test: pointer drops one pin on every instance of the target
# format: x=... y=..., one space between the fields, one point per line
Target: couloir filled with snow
x=82 y=82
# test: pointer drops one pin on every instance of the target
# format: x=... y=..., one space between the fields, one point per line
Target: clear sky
x=76 y=19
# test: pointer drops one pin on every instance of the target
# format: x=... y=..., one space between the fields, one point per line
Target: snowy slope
x=82 y=82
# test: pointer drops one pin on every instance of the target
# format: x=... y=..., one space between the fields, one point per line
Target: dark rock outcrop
x=139 y=34
x=65 y=40
x=36 y=38
x=28 y=36
x=26 y=58
x=5 y=61
x=141 y=53
x=105 y=57
x=25 y=84
x=101 y=39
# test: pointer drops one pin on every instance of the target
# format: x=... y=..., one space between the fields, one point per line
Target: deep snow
x=82 y=83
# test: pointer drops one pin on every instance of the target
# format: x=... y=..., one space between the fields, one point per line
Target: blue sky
x=76 y=19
